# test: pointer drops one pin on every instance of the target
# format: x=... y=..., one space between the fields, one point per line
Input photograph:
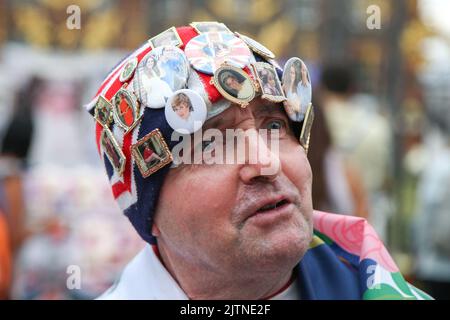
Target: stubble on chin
x=281 y=247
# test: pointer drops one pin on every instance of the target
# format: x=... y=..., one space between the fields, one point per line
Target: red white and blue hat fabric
x=136 y=187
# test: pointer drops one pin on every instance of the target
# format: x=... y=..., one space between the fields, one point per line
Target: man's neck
x=206 y=284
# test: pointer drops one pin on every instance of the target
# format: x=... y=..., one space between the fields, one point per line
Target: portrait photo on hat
x=185 y=111
x=128 y=69
x=169 y=37
x=103 y=111
x=234 y=84
x=163 y=70
x=125 y=108
x=297 y=87
x=151 y=153
x=268 y=81
x=210 y=26
x=112 y=151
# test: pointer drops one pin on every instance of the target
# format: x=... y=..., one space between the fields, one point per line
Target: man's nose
x=262 y=161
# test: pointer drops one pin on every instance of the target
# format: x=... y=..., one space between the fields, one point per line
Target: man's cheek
x=297 y=168
x=212 y=212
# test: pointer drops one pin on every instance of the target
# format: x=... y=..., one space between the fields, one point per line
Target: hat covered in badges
x=175 y=82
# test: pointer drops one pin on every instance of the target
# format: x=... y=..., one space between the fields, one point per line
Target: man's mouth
x=269 y=211
x=273 y=206
x=265 y=208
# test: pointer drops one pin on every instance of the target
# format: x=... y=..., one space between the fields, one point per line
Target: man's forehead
x=258 y=108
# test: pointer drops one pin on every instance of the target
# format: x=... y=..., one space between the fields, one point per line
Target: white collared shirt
x=146 y=278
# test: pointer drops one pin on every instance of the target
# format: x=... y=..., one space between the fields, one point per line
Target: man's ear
x=155 y=230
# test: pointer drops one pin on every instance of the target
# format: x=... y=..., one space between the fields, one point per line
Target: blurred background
x=380 y=146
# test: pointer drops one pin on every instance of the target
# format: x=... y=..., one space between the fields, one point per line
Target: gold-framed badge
x=234 y=84
x=113 y=151
x=305 y=134
x=256 y=47
x=269 y=84
x=151 y=153
x=126 y=109
x=170 y=37
x=103 y=112
x=128 y=69
x=210 y=26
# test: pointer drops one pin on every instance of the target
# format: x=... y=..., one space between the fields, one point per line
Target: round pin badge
x=209 y=51
x=186 y=111
x=257 y=47
x=297 y=88
x=161 y=72
x=128 y=69
x=235 y=85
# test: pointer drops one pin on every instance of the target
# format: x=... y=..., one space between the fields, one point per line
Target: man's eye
x=276 y=125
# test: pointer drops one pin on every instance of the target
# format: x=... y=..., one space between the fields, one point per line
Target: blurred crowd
x=376 y=152
x=352 y=174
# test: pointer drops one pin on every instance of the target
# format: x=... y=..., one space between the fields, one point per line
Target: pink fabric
x=356 y=236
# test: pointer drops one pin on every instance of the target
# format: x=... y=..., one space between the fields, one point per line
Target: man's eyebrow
x=271 y=108
x=264 y=109
x=217 y=122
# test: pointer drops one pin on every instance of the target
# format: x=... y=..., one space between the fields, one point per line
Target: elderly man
x=232 y=230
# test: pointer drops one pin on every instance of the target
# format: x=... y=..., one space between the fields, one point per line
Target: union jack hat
x=133 y=136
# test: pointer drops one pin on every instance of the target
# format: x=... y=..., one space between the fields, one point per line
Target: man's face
x=222 y=216
x=233 y=83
